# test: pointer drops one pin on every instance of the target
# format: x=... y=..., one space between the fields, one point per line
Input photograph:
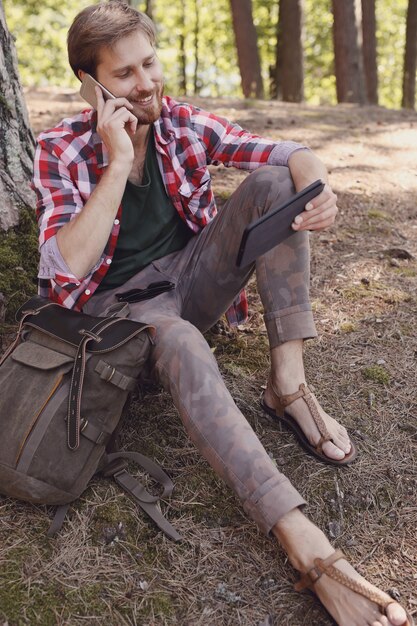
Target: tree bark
x=149 y=10
x=370 y=50
x=247 y=48
x=196 y=44
x=16 y=139
x=347 y=40
x=182 y=55
x=289 y=65
x=410 y=57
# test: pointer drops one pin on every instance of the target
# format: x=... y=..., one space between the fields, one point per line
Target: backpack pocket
x=29 y=380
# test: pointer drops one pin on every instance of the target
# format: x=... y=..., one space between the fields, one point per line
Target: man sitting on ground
x=125 y=200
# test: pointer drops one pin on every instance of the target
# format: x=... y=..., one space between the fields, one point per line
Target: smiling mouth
x=144 y=101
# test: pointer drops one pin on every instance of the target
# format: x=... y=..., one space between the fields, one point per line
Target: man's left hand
x=319 y=213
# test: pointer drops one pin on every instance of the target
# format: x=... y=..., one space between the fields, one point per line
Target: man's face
x=131 y=69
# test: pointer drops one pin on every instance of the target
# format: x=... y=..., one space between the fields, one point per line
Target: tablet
x=270 y=229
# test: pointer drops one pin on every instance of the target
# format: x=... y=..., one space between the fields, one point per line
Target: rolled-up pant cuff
x=290 y=324
x=271 y=501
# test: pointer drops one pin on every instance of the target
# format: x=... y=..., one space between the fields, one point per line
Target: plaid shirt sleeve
x=58 y=201
x=228 y=143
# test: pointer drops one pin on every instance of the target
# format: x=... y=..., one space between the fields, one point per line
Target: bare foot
x=304 y=542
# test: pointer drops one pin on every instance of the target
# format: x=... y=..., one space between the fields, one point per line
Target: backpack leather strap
x=74 y=398
x=58 y=520
x=111 y=375
x=146 y=501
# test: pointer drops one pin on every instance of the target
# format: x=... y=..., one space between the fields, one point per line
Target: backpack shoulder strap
x=145 y=500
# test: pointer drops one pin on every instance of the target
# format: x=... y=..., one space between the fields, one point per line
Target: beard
x=147 y=114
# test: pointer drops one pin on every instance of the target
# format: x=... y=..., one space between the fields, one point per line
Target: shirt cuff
x=280 y=154
x=52 y=264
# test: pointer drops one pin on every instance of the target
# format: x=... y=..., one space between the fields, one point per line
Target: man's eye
x=148 y=63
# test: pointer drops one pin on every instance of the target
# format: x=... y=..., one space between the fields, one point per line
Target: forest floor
x=110 y=566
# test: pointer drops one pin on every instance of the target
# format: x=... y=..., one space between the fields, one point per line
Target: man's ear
x=81 y=75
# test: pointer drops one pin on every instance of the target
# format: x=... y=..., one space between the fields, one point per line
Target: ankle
x=287 y=367
x=302 y=540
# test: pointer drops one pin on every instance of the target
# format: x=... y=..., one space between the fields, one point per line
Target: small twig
x=340 y=497
x=374 y=549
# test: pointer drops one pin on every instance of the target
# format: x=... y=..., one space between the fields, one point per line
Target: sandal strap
x=326 y=566
x=305 y=393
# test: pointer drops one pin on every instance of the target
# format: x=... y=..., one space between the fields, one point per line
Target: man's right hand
x=116 y=126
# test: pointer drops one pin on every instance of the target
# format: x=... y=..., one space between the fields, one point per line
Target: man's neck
x=140 y=138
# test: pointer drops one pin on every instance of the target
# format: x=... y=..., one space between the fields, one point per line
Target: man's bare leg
x=303 y=542
x=287 y=373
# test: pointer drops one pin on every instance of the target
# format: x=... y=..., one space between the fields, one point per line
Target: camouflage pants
x=207 y=280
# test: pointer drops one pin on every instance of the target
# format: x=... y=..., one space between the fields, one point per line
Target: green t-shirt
x=150 y=227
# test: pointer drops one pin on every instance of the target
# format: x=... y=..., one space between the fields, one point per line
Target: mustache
x=141 y=95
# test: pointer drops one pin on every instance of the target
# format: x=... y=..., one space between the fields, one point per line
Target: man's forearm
x=82 y=241
x=305 y=168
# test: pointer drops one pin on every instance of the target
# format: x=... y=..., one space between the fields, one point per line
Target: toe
x=342 y=440
x=396 y=615
x=332 y=451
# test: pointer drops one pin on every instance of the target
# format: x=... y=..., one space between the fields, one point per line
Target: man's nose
x=144 y=82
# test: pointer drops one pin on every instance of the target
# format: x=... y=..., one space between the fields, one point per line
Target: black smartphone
x=87 y=90
x=270 y=229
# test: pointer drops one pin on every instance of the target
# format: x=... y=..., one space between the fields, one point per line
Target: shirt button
x=87 y=292
x=116 y=222
x=108 y=261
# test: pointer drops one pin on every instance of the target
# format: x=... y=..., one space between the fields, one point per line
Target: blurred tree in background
x=198 y=50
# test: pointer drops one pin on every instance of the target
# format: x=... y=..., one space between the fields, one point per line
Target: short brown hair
x=101 y=25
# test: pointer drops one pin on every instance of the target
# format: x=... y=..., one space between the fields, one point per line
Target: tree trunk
x=289 y=66
x=347 y=40
x=369 y=50
x=247 y=48
x=196 y=42
x=16 y=139
x=182 y=56
x=410 y=57
x=149 y=9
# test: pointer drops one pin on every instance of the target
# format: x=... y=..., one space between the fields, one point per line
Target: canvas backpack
x=63 y=385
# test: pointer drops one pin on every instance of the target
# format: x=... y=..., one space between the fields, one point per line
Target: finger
x=324 y=205
x=112 y=104
x=308 y=221
x=326 y=195
x=100 y=100
x=120 y=117
x=323 y=221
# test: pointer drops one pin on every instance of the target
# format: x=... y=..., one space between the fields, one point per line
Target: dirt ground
x=110 y=566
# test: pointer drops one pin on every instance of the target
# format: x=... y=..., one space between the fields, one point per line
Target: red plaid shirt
x=69 y=162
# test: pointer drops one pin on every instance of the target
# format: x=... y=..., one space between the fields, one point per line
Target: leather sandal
x=308 y=580
x=280 y=414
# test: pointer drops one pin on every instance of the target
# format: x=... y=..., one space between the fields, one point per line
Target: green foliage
x=319 y=80
x=40 y=28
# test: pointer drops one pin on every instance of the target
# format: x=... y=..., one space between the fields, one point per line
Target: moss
x=377 y=290
x=375 y=214
x=162 y=604
x=3 y=102
x=19 y=263
x=40 y=605
x=347 y=327
x=377 y=374
x=408 y=272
